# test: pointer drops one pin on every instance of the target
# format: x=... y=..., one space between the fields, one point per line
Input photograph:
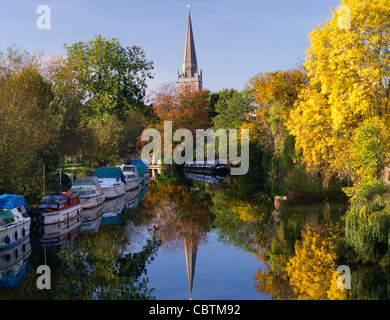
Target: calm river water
x=178 y=241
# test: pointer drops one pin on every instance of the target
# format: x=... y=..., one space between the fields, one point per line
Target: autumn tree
x=275 y=94
x=348 y=68
x=188 y=110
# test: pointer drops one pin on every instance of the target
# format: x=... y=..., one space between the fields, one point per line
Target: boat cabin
x=57 y=202
x=130 y=172
x=86 y=186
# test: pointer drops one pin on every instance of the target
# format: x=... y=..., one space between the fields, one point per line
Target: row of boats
x=85 y=194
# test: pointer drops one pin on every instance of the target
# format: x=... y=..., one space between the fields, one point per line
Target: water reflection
x=14 y=262
x=112 y=251
x=58 y=234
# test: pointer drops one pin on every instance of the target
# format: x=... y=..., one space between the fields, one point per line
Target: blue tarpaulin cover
x=140 y=163
x=9 y=201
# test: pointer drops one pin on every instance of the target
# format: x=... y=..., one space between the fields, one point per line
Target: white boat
x=58 y=208
x=112 y=181
x=112 y=188
x=14 y=220
x=89 y=191
x=133 y=180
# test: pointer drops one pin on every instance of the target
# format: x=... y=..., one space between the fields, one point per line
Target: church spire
x=189 y=79
x=189 y=66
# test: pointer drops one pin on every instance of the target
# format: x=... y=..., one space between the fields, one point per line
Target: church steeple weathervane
x=189 y=79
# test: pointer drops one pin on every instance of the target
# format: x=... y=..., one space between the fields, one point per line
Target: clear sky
x=234 y=40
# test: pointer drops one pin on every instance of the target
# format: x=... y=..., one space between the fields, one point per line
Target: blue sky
x=234 y=39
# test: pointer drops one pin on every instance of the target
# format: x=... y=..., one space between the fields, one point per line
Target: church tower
x=189 y=79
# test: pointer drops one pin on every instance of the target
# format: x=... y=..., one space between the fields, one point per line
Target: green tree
x=232 y=108
x=28 y=132
x=111 y=78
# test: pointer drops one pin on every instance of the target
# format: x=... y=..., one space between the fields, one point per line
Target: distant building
x=189 y=79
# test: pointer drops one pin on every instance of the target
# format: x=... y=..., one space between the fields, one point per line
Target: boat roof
x=85 y=182
x=110 y=172
x=9 y=201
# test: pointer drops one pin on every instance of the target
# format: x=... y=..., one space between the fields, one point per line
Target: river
x=187 y=240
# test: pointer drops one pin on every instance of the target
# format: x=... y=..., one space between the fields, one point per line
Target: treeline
x=86 y=107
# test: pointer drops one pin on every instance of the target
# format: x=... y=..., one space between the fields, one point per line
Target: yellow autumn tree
x=348 y=65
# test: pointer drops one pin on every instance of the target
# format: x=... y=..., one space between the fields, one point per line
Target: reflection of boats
x=113 y=207
x=58 y=207
x=112 y=181
x=143 y=165
x=133 y=179
x=89 y=191
x=60 y=233
x=205 y=178
x=207 y=166
x=14 y=263
x=131 y=199
x=14 y=220
x=113 y=211
x=91 y=219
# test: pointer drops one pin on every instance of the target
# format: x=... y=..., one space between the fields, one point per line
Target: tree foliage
x=349 y=72
x=111 y=78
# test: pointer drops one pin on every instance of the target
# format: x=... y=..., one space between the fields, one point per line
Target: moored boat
x=14 y=220
x=58 y=207
x=145 y=176
x=215 y=167
x=133 y=179
x=89 y=191
x=112 y=181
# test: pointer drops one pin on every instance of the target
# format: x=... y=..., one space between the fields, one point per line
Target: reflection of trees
x=312 y=271
x=95 y=268
x=274 y=236
x=177 y=214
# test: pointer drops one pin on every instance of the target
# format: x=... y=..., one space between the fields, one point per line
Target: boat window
x=128 y=169
x=62 y=206
x=48 y=206
x=83 y=193
x=7 y=220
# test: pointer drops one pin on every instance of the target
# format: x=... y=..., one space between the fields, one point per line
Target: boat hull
x=47 y=218
x=14 y=234
x=111 y=192
x=133 y=184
